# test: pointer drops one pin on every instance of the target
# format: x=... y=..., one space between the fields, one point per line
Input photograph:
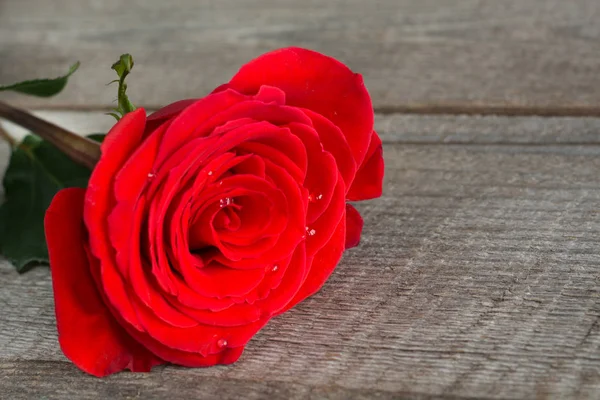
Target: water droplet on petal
x=225 y=202
x=310 y=232
x=220 y=183
x=151 y=175
x=314 y=197
x=275 y=268
x=222 y=343
x=210 y=173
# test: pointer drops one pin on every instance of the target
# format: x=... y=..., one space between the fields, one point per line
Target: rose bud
x=209 y=217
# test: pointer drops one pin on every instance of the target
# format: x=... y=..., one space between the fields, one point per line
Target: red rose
x=209 y=217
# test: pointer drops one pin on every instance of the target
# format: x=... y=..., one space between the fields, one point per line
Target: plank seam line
x=409 y=109
x=389 y=141
x=491 y=110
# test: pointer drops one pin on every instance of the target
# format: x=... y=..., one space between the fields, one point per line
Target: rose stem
x=79 y=149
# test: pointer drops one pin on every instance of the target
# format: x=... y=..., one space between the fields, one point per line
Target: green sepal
x=123 y=67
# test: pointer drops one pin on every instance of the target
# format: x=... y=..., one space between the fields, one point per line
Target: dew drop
x=222 y=343
x=151 y=175
x=275 y=268
x=310 y=232
x=313 y=198
x=220 y=183
x=210 y=173
x=225 y=202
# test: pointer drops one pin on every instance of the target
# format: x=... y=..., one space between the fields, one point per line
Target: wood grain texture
x=403 y=128
x=477 y=277
x=510 y=56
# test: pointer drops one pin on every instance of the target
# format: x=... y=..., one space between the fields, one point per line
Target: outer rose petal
x=159 y=117
x=88 y=334
x=317 y=82
x=354 y=225
x=321 y=265
x=120 y=142
x=369 y=177
x=227 y=356
x=171 y=110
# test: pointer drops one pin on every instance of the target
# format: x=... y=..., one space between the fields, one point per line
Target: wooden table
x=479 y=271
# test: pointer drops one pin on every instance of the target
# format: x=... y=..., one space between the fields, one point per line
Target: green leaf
x=42 y=87
x=123 y=67
x=98 y=137
x=36 y=172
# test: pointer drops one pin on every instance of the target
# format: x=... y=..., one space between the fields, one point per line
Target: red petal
x=316 y=82
x=291 y=283
x=143 y=285
x=169 y=111
x=321 y=174
x=122 y=140
x=335 y=142
x=225 y=355
x=320 y=231
x=128 y=185
x=182 y=127
x=87 y=332
x=354 y=225
x=369 y=177
x=158 y=117
x=200 y=340
x=323 y=264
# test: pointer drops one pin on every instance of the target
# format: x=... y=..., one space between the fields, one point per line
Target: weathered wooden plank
x=403 y=128
x=27 y=380
x=458 y=54
x=482 y=130
x=477 y=277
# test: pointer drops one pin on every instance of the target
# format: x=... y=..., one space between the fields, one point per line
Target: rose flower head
x=207 y=218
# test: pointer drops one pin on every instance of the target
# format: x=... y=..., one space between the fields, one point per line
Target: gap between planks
x=408 y=129
x=508 y=110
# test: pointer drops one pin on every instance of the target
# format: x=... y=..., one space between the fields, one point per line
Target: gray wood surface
x=479 y=271
x=489 y=56
x=477 y=277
